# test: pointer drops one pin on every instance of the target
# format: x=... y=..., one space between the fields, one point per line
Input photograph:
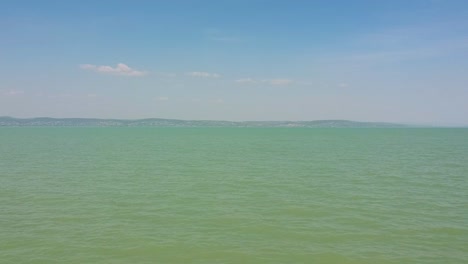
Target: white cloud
x=247 y=81
x=13 y=92
x=343 y=85
x=162 y=98
x=203 y=74
x=120 y=69
x=267 y=81
x=280 y=81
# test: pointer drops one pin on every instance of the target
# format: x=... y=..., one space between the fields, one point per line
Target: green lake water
x=233 y=195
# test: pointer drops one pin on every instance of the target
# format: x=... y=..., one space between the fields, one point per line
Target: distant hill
x=159 y=122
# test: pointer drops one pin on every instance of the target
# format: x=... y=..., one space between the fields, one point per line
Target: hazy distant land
x=159 y=122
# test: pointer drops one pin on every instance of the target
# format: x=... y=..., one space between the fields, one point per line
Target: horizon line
x=247 y=121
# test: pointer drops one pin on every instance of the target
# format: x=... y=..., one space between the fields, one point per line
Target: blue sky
x=394 y=61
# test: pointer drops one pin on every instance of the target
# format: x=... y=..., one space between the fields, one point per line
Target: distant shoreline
x=160 y=122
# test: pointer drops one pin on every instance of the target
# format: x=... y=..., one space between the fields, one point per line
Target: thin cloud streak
x=278 y=82
x=13 y=92
x=162 y=98
x=121 y=69
x=200 y=74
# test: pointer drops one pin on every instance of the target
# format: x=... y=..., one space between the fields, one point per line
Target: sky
x=364 y=60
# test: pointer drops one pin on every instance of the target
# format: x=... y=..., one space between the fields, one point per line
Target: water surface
x=233 y=195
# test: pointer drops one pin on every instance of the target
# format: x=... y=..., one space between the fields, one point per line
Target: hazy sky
x=396 y=61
